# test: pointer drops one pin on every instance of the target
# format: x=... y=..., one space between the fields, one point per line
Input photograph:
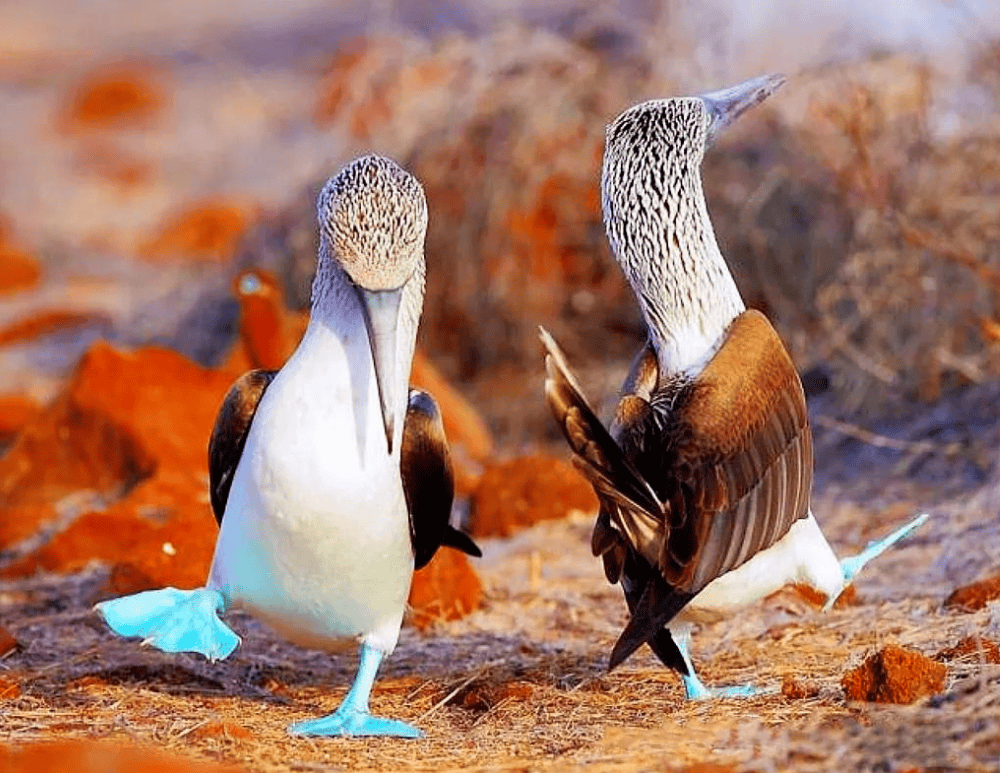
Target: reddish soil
x=102 y=757
x=205 y=231
x=115 y=97
x=524 y=491
x=975 y=595
x=975 y=649
x=894 y=675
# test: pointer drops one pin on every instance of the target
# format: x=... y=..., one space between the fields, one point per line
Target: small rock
x=124 y=580
x=226 y=730
x=9 y=689
x=448 y=588
x=47 y=322
x=974 y=596
x=18 y=270
x=114 y=98
x=7 y=642
x=113 y=165
x=974 y=649
x=795 y=689
x=519 y=493
x=208 y=230
x=894 y=675
x=15 y=412
x=84 y=756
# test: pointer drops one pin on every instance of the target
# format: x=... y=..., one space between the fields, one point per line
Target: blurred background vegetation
x=151 y=151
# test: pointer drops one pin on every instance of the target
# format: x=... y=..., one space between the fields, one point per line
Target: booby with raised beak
x=329 y=479
x=704 y=478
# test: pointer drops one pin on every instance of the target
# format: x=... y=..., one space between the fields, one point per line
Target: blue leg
x=851 y=566
x=173 y=620
x=695 y=688
x=352 y=718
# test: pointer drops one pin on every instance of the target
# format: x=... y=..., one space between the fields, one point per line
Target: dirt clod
x=894 y=675
x=975 y=595
x=516 y=494
x=971 y=649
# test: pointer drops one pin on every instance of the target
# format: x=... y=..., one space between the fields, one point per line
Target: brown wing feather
x=743 y=457
x=229 y=435
x=428 y=481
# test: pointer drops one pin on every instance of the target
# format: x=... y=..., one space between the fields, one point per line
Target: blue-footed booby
x=330 y=481
x=704 y=478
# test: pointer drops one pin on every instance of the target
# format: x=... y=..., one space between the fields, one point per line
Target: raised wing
x=740 y=455
x=428 y=481
x=229 y=435
x=699 y=475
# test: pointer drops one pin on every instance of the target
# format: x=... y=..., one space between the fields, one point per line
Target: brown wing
x=229 y=435
x=700 y=474
x=428 y=481
x=741 y=457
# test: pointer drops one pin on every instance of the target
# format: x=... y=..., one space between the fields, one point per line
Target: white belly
x=315 y=538
x=802 y=555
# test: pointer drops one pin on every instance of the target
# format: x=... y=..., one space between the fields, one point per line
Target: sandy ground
x=522 y=683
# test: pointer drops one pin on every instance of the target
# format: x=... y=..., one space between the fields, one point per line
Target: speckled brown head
x=657 y=221
x=374 y=218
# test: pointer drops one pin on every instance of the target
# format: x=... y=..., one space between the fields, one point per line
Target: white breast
x=315 y=538
x=802 y=555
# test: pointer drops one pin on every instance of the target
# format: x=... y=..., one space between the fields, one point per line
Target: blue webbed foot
x=850 y=567
x=696 y=690
x=173 y=620
x=352 y=718
x=351 y=722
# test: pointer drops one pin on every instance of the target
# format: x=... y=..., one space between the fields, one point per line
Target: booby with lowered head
x=704 y=478
x=330 y=482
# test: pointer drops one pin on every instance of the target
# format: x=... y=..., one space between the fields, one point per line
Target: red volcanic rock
x=9 y=689
x=225 y=730
x=971 y=649
x=15 y=412
x=113 y=165
x=514 y=495
x=18 y=270
x=45 y=322
x=796 y=690
x=114 y=98
x=124 y=579
x=894 y=675
x=80 y=756
x=132 y=428
x=7 y=641
x=974 y=596
x=448 y=588
x=207 y=231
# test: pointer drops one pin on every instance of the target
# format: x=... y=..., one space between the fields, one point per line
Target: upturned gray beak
x=726 y=105
x=381 y=317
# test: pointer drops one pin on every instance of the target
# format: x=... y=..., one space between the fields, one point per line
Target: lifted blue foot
x=173 y=620
x=850 y=567
x=352 y=718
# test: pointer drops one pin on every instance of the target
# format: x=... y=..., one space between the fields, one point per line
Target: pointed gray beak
x=726 y=105
x=381 y=317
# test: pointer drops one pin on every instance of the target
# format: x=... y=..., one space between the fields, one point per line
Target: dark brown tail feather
x=597 y=455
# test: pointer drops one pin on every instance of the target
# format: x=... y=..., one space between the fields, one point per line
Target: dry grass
x=522 y=684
